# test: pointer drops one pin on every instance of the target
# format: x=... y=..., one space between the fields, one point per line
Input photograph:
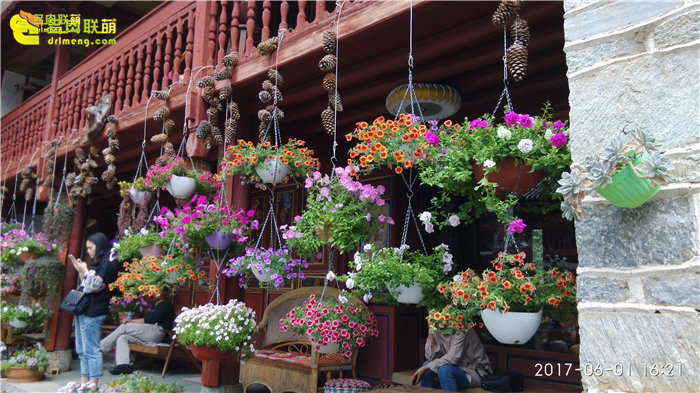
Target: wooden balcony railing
x=166 y=46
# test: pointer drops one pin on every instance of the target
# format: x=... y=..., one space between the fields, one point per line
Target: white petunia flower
x=525 y=145
x=330 y=276
x=489 y=164
x=454 y=220
x=548 y=134
x=350 y=283
x=503 y=133
x=457 y=278
x=425 y=216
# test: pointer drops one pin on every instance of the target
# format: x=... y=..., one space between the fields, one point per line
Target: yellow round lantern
x=436 y=101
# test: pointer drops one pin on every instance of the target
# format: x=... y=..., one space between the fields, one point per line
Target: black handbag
x=502 y=381
x=75 y=302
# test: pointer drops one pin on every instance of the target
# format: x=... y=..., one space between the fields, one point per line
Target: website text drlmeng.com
x=86 y=42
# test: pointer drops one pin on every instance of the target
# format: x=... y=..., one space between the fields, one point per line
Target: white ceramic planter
x=408 y=295
x=511 y=327
x=272 y=171
x=331 y=347
x=181 y=187
x=138 y=197
x=262 y=277
x=16 y=323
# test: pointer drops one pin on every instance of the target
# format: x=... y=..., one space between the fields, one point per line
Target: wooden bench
x=166 y=350
x=270 y=366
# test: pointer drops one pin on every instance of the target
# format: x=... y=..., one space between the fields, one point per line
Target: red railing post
x=235 y=14
x=250 y=28
x=222 y=32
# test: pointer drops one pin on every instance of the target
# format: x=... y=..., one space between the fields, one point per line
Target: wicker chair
x=285 y=372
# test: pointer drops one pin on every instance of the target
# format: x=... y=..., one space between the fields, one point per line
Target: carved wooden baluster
x=147 y=72
x=235 y=13
x=250 y=28
x=222 y=32
x=64 y=110
x=75 y=105
x=94 y=81
x=320 y=10
x=156 y=62
x=113 y=84
x=178 y=51
x=129 y=90
x=211 y=44
x=167 y=61
x=301 y=16
x=266 y=20
x=82 y=103
x=138 y=87
x=284 y=11
x=189 y=47
x=120 y=84
x=98 y=86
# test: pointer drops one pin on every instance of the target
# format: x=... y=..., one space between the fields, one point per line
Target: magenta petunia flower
x=432 y=138
x=526 y=121
x=558 y=140
x=516 y=226
x=512 y=118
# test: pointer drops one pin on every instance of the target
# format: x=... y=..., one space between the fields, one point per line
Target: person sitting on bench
x=142 y=331
x=453 y=359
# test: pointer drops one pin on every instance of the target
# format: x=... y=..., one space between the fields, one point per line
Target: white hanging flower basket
x=408 y=295
x=181 y=187
x=272 y=171
x=16 y=323
x=261 y=276
x=331 y=347
x=138 y=197
x=511 y=327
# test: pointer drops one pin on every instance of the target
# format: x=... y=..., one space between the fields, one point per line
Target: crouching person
x=140 y=331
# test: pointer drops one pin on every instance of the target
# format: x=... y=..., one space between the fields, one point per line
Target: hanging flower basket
x=23 y=374
x=272 y=171
x=507 y=175
x=138 y=196
x=181 y=187
x=627 y=190
x=18 y=324
x=153 y=250
x=261 y=276
x=218 y=241
x=331 y=347
x=511 y=327
x=25 y=256
x=408 y=295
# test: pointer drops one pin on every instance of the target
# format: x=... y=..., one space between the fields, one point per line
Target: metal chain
x=336 y=22
x=505 y=77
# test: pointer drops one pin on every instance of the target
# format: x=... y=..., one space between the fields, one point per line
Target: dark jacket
x=98 y=302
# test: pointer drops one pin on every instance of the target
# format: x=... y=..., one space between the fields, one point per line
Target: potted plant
x=392 y=143
x=20 y=316
x=144 y=243
x=215 y=332
x=58 y=220
x=340 y=211
x=10 y=284
x=25 y=245
x=410 y=276
x=179 y=180
x=627 y=174
x=42 y=278
x=128 y=383
x=331 y=324
x=265 y=163
x=267 y=265
x=512 y=289
x=486 y=165
x=137 y=190
x=120 y=305
x=26 y=364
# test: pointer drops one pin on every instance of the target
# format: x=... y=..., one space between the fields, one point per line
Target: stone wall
x=637 y=65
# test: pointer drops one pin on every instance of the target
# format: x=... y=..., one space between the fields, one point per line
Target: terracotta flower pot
x=507 y=176
x=23 y=374
x=25 y=256
x=212 y=358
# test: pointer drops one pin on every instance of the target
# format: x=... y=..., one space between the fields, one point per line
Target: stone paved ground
x=181 y=373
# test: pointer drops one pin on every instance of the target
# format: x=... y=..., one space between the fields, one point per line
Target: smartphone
x=72 y=258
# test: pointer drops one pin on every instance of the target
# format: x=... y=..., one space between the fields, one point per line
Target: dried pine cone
x=107 y=175
x=223 y=74
x=234 y=111
x=49 y=166
x=86 y=190
x=114 y=144
x=516 y=59
x=111 y=183
x=169 y=126
x=329 y=82
x=205 y=81
x=328 y=120
x=84 y=167
x=111 y=119
x=109 y=159
x=55 y=142
x=268 y=47
x=230 y=60
x=169 y=149
x=213 y=116
x=264 y=115
x=275 y=77
x=208 y=93
x=229 y=134
x=329 y=41
x=506 y=10
x=161 y=114
x=264 y=96
x=70 y=179
x=520 y=31
x=23 y=185
x=268 y=85
x=216 y=136
x=110 y=132
x=160 y=94
x=50 y=154
x=208 y=142
x=162 y=160
x=327 y=63
x=334 y=101
x=48 y=182
x=225 y=92
x=29 y=193
x=203 y=129
x=159 y=138
x=79 y=154
x=276 y=95
x=106 y=151
x=279 y=113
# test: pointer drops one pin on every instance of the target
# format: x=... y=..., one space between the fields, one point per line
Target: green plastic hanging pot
x=627 y=190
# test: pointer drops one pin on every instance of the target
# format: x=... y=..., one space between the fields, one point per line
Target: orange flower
x=492 y=305
x=398 y=170
x=507 y=284
x=348 y=137
x=447 y=123
x=459 y=317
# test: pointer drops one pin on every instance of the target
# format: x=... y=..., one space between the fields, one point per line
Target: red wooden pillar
x=75 y=245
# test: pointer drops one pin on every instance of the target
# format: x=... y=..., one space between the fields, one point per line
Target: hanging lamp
x=436 y=101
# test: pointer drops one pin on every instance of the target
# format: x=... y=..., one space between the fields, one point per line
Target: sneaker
x=122 y=369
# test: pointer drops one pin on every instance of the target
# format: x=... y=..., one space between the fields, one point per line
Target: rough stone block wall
x=636 y=64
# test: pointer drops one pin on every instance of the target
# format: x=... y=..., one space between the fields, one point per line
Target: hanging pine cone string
x=223 y=74
x=516 y=59
x=275 y=77
x=328 y=41
x=327 y=120
x=505 y=11
x=520 y=31
x=268 y=47
x=327 y=63
x=329 y=82
x=230 y=60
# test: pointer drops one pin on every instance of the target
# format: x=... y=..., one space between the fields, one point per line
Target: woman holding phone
x=95 y=278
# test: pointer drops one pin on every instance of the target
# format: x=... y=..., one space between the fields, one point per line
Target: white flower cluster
x=447 y=259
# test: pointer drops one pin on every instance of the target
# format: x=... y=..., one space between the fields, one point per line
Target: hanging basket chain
x=505 y=77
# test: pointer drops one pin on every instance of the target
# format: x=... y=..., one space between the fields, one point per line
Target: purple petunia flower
x=558 y=140
x=516 y=226
x=432 y=138
x=512 y=118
